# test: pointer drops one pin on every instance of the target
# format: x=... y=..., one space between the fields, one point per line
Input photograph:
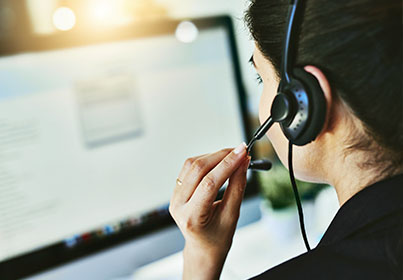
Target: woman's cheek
x=279 y=143
x=265 y=105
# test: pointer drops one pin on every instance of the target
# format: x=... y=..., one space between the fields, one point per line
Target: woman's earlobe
x=325 y=86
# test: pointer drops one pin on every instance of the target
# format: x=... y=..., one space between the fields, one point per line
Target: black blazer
x=364 y=240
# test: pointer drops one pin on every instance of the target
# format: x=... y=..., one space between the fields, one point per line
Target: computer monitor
x=94 y=129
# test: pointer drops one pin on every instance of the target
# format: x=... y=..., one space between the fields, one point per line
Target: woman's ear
x=330 y=104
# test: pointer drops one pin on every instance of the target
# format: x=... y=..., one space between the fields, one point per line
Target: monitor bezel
x=58 y=254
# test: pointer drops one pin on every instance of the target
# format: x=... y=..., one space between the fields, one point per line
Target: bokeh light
x=186 y=32
x=64 y=19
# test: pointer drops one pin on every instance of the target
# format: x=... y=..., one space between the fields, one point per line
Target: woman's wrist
x=200 y=263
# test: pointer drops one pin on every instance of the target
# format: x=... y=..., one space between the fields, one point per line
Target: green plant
x=276 y=187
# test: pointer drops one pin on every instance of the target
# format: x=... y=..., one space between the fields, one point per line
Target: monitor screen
x=93 y=136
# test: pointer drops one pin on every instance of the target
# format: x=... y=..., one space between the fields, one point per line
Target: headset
x=299 y=106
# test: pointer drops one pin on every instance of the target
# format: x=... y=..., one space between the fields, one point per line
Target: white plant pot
x=283 y=224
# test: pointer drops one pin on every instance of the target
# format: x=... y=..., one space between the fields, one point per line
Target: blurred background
x=44 y=17
x=101 y=101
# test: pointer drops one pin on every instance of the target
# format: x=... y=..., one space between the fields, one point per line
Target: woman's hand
x=208 y=225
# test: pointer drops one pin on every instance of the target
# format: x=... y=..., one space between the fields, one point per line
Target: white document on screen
x=109 y=109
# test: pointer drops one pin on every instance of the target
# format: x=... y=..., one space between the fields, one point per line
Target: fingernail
x=240 y=148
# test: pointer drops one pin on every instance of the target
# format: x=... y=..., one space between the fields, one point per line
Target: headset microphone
x=260 y=165
x=260 y=133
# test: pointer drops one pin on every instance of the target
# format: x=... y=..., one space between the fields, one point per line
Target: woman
x=354 y=50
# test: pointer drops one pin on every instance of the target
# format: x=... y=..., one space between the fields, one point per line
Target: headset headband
x=287 y=58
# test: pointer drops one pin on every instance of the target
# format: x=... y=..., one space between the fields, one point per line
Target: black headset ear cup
x=317 y=112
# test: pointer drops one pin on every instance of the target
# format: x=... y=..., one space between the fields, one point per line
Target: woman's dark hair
x=358 y=46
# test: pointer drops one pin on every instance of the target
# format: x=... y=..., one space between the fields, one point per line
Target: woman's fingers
x=187 y=165
x=206 y=191
x=231 y=202
x=192 y=173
